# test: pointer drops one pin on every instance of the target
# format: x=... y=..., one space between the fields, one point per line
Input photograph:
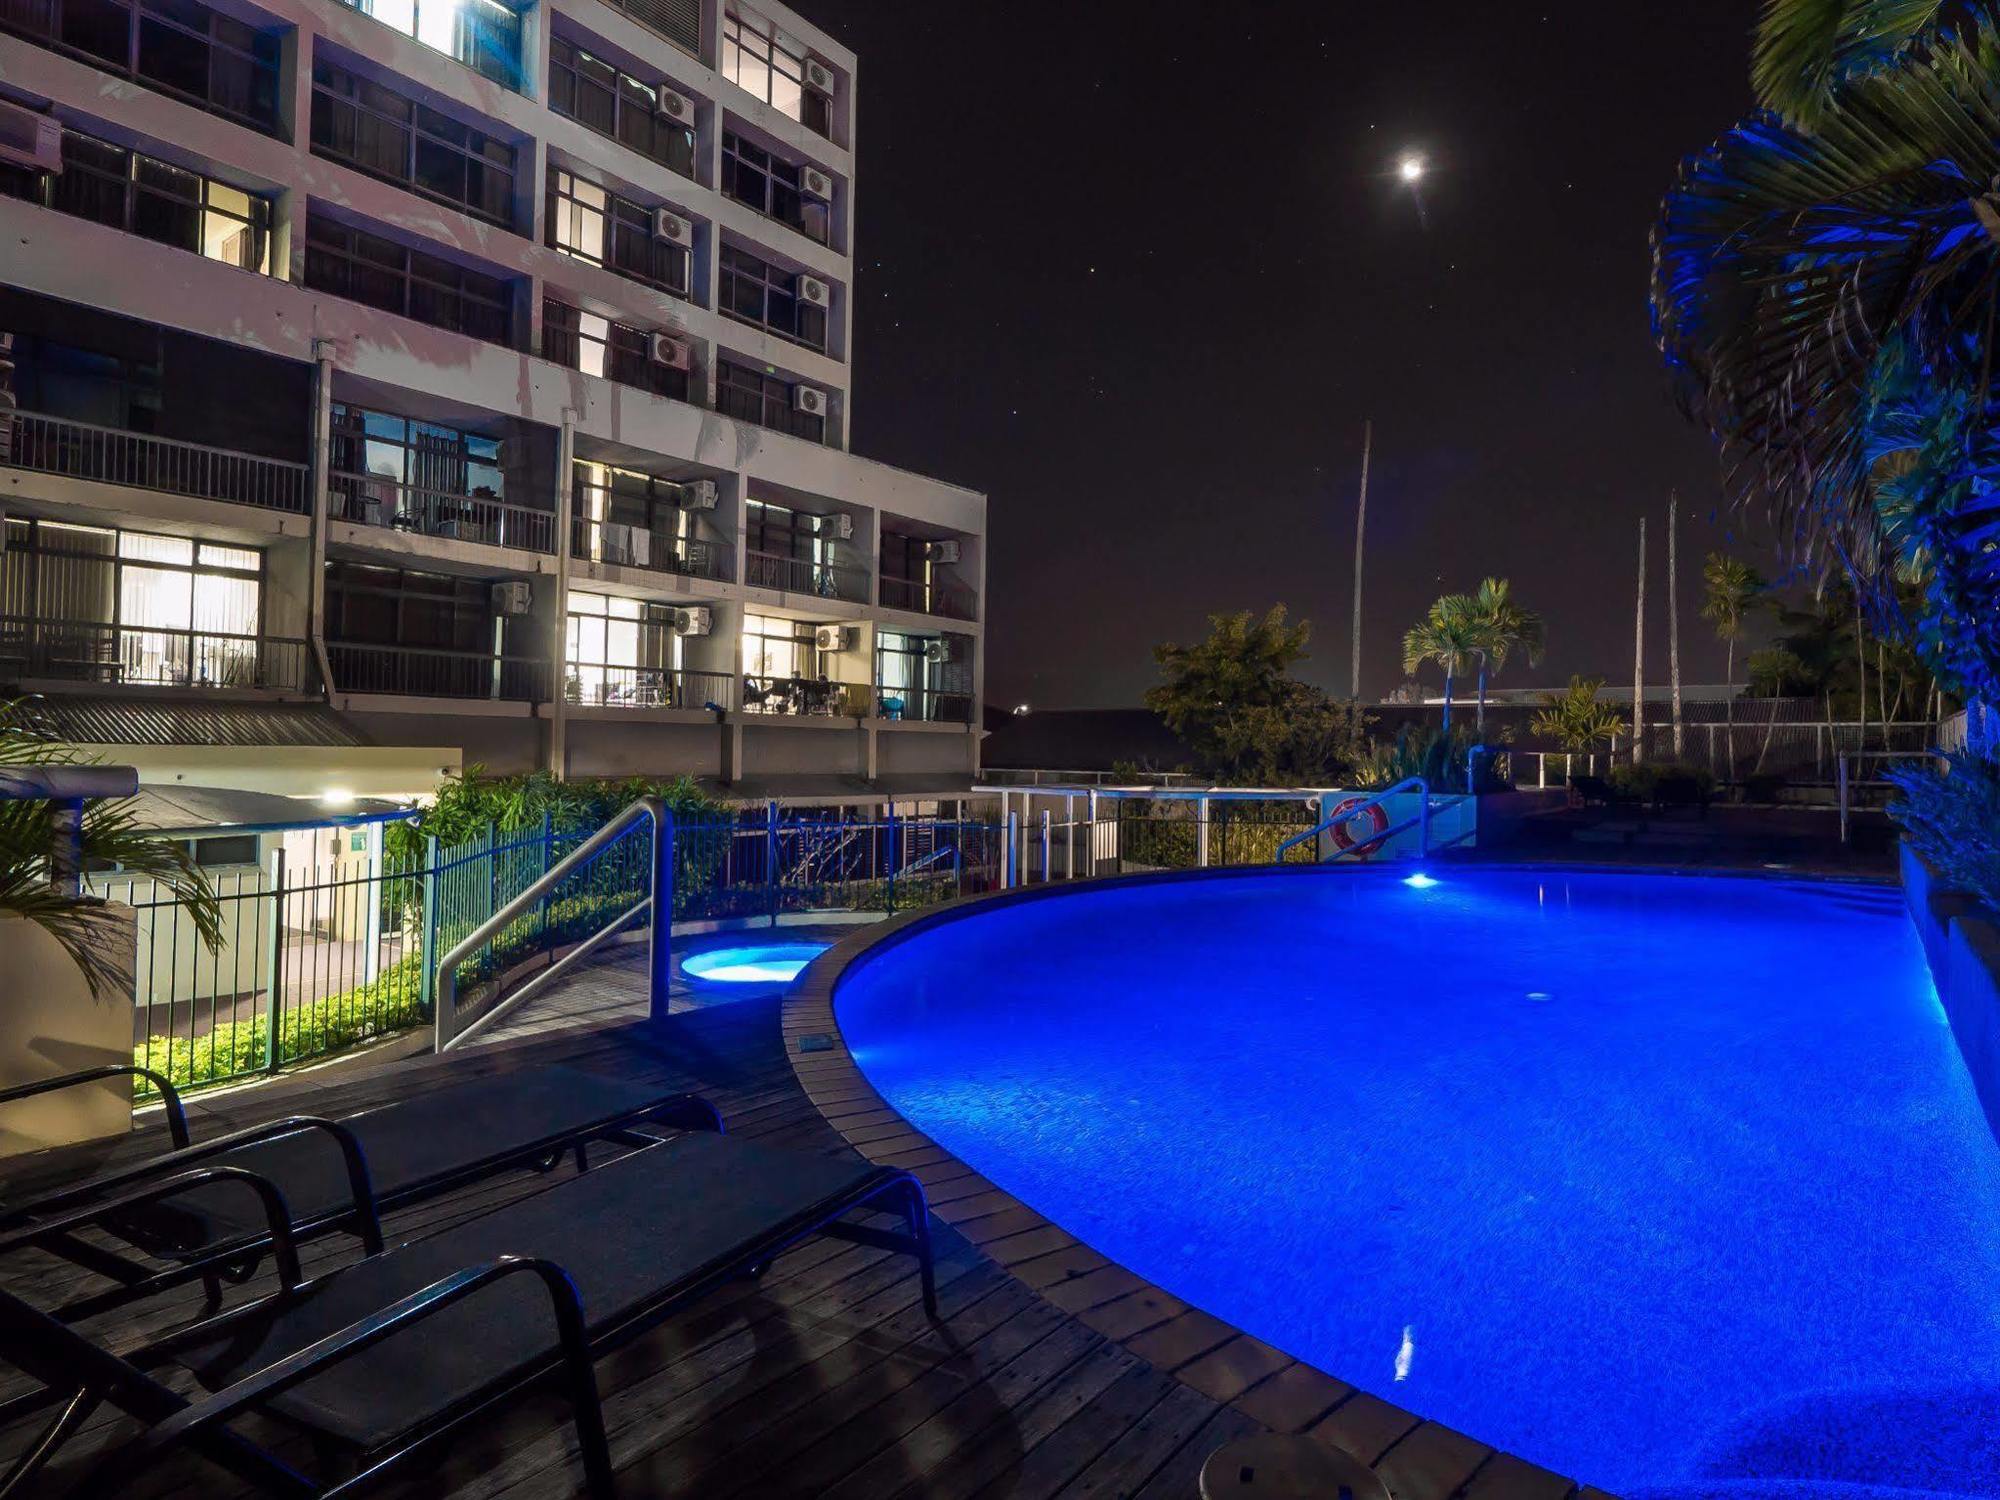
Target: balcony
x=377 y=500
x=924 y=705
x=940 y=597
x=798 y=575
x=78 y=450
x=95 y=652
x=423 y=673
x=639 y=547
x=807 y=697
x=592 y=686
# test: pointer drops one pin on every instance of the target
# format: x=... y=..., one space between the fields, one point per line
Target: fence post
x=1069 y=836
x=891 y=902
x=771 y=860
x=958 y=852
x=660 y=920
x=1091 y=813
x=274 y=960
x=548 y=859
x=1201 y=832
x=427 y=955
x=1007 y=870
x=1047 y=869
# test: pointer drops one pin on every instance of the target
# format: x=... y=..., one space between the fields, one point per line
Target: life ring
x=1377 y=818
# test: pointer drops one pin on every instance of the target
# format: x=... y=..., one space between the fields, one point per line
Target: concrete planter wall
x=51 y=1023
x=1962 y=939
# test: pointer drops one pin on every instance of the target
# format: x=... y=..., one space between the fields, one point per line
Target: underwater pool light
x=1419 y=881
x=768 y=963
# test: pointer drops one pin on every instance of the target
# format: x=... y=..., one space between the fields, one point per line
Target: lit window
x=761 y=61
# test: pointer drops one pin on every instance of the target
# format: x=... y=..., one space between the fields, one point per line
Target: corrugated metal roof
x=207 y=809
x=83 y=719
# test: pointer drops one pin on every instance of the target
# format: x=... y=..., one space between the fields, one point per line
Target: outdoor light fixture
x=1021 y=710
x=336 y=796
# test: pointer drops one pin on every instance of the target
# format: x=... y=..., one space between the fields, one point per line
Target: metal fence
x=81 y=450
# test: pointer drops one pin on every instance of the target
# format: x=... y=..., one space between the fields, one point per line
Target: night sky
x=1140 y=270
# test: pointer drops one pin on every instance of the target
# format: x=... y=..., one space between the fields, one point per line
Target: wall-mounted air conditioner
x=677 y=354
x=677 y=107
x=698 y=494
x=30 y=140
x=937 y=652
x=671 y=227
x=816 y=184
x=809 y=399
x=819 y=77
x=833 y=638
x=514 y=597
x=814 y=291
x=944 y=552
x=696 y=619
x=841 y=524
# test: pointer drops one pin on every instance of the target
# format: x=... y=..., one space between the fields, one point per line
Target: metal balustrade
x=640 y=547
x=798 y=575
x=807 y=697
x=79 y=450
x=377 y=500
x=150 y=656
x=941 y=597
x=927 y=705
x=648 y=687
x=425 y=673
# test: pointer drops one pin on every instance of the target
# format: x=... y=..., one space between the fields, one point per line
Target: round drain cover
x=1272 y=1466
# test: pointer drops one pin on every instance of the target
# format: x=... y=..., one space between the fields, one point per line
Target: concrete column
x=559 y=635
x=322 y=458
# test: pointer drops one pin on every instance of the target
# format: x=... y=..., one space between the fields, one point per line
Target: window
x=377 y=130
x=145 y=196
x=179 y=47
x=229 y=849
x=483 y=35
x=770 y=186
x=679 y=21
x=765 y=400
x=378 y=457
x=779 y=531
x=757 y=58
x=624 y=516
x=595 y=94
x=911 y=682
x=382 y=273
x=597 y=346
x=756 y=292
x=591 y=224
x=620 y=651
x=776 y=648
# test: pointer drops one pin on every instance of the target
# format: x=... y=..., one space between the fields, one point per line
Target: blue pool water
x=1671 y=1183
x=752 y=963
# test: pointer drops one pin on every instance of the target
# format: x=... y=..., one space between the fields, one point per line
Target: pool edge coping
x=1417 y=1459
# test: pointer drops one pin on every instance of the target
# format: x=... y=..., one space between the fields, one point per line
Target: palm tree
x=1449 y=635
x=110 y=835
x=1826 y=282
x=1731 y=589
x=1575 y=719
x=1504 y=627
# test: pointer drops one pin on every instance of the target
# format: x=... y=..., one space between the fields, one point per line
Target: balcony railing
x=423 y=673
x=797 y=575
x=928 y=705
x=940 y=597
x=638 y=547
x=148 y=656
x=376 y=500
x=807 y=697
x=53 y=445
x=648 y=687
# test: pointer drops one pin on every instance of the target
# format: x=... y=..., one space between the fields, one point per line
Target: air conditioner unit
x=698 y=619
x=677 y=107
x=816 y=184
x=819 y=77
x=698 y=494
x=30 y=140
x=513 y=597
x=944 y=552
x=833 y=638
x=671 y=227
x=809 y=399
x=841 y=524
x=676 y=354
x=816 y=292
x=937 y=652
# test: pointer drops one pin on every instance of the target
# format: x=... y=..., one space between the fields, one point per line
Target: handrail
x=659 y=903
x=1422 y=820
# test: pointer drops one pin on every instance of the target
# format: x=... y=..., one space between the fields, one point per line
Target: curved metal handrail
x=1422 y=821
x=658 y=904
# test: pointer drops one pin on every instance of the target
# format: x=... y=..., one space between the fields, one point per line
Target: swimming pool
x=752 y=963
x=1658 y=1181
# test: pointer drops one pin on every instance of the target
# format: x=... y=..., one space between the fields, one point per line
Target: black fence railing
x=419 y=673
x=642 y=547
x=149 y=656
x=596 y=686
x=799 y=575
x=930 y=705
x=807 y=697
x=79 y=450
x=376 y=500
x=952 y=601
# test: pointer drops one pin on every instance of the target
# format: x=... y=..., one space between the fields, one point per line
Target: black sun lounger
x=343 y=1174
x=392 y=1353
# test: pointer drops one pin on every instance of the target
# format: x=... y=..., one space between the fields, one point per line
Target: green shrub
x=1951 y=814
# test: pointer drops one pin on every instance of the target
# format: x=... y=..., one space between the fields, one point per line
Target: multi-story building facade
x=423 y=379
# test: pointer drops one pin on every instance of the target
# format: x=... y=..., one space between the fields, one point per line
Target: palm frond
x=1804 y=49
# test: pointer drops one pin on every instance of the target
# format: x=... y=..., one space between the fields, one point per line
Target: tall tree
x=1731 y=589
x=1450 y=635
x=1503 y=627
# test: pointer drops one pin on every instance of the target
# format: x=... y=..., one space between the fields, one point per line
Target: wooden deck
x=1051 y=1375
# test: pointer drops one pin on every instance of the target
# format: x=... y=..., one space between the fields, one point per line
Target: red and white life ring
x=1377 y=819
